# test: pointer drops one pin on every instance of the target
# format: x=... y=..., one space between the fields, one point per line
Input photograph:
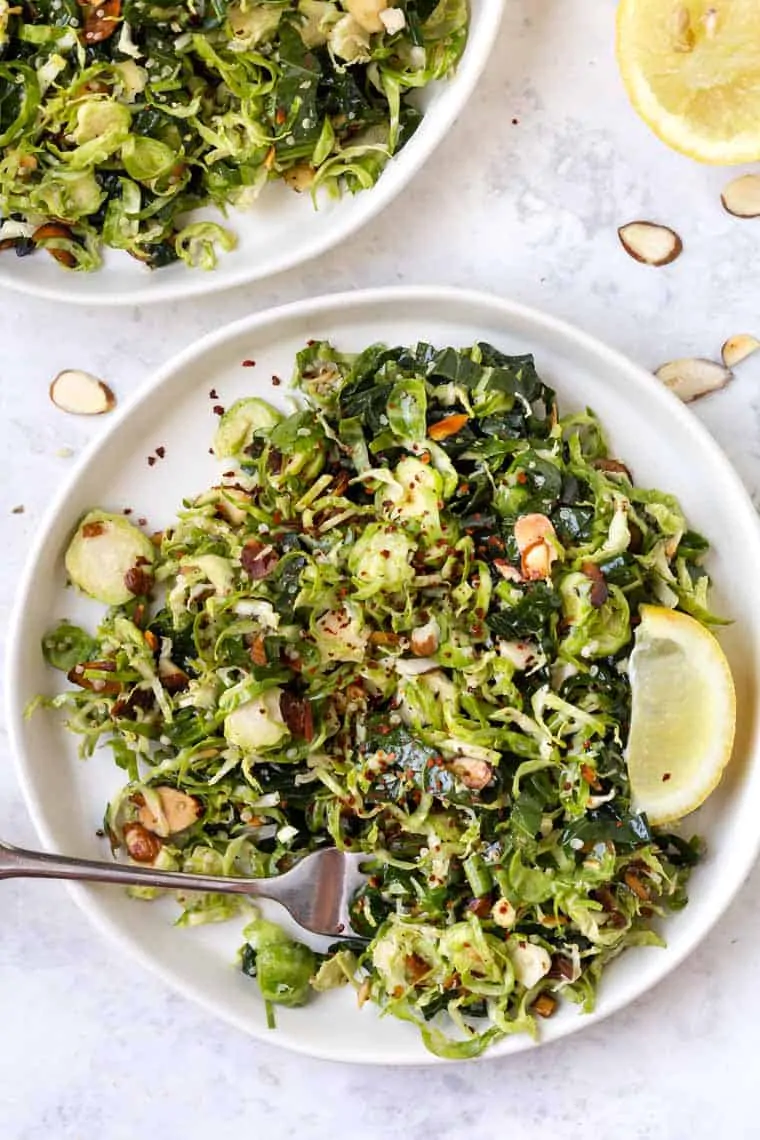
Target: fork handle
x=16 y=862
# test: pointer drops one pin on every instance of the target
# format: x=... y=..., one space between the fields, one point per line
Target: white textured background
x=92 y=1047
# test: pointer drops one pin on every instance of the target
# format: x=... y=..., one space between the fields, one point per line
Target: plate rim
x=308 y=309
x=459 y=91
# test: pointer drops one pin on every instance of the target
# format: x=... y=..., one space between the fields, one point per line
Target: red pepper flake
x=248 y=363
x=665 y=777
x=522 y=477
x=213 y=394
x=218 y=410
x=127 y=511
x=515 y=122
x=211 y=451
x=142 y=522
x=310 y=343
x=276 y=381
x=151 y=460
x=277 y=518
x=161 y=452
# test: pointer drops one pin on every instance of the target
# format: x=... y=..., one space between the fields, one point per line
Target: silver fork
x=316 y=892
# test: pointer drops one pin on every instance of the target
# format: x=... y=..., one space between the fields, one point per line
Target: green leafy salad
x=399 y=624
x=118 y=118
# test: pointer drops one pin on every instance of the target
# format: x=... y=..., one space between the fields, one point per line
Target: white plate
x=283 y=229
x=661 y=440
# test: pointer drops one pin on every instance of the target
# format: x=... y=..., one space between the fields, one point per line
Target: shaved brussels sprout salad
x=118 y=118
x=399 y=624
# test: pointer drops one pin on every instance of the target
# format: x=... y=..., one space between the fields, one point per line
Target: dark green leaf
x=534 y=617
x=605 y=825
x=248 y=961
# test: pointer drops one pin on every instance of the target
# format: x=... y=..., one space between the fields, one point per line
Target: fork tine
x=318 y=890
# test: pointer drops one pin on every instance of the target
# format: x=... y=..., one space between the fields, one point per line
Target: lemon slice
x=683 y=716
x=692 y=71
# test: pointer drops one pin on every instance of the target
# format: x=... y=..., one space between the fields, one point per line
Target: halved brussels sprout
x=415 y=497
x=340 y=636
x=239 y=423
x=380 y=560
x=104 y=550
x=258 y=723
x=595 y=630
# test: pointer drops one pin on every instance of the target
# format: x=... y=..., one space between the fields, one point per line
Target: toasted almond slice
x=81 y=393
x=530 y=529
x=179 y=811
x=533 y=535
x=650 y=243
x=424 y=639
x=742 y=196
x=690 y=379
x=536 y=561
x=738 y=348
x=474 y=774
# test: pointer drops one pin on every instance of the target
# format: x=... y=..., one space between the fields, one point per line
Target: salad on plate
x=120 y=119
x=400 y=623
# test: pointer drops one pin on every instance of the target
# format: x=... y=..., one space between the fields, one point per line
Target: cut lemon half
x=683 y=714
x=692 y=71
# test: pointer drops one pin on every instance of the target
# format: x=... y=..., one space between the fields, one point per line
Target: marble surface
x=523 y=199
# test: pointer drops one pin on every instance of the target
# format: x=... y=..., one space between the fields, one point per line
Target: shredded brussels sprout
x=119 y=118
x=400 y=624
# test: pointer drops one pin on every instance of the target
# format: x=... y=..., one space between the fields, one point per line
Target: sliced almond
x=534 y=535
x=738 y=348
x=742 y=196
x=81 y=393
x=179 y=810
x=690 y=379
x=530 y=529
x=424 y=639
x=474 y=774
x=650 y=243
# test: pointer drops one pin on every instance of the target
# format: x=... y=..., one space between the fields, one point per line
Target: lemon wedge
x=683 y=714
x=692 y=71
